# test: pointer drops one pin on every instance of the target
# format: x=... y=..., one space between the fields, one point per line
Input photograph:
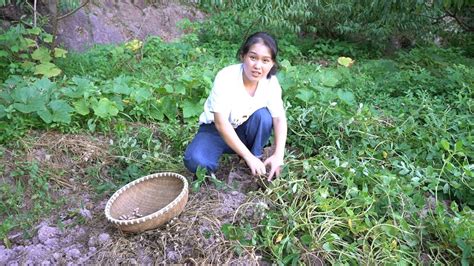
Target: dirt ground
x=79 y=233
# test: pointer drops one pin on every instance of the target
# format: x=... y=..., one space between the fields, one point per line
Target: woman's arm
x=230 y=137
x=276 y=160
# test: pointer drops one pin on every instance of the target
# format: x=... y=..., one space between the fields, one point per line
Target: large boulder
x=115 y=21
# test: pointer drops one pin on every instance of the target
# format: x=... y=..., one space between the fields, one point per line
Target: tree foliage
x=374 y=22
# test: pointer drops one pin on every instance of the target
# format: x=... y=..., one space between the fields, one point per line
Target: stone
x=112 y=22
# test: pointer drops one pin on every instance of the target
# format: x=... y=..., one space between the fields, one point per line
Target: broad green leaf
x=105 y=108
x=47 y=69
x=307 y=239
x=141 y=94
x=84 y=86
x=58 y=52
x=41 y=54
x=25 y=94
x=47 y=38
x=167 y=105
x=122 y=88
x=73 y=92
x=345 y=61
x=14 y=82
x=286 y=80
x=180 y=89
x=346 y=96
x=24 y=44
x=45 y=115
x=155 y=112
x=44 y=84
x=30 y=43
x=444 y=144
x=15 y=48
x=117 y=100
x=34 y=31
x=27 y=65
x=285 y=65
x=327 y=94
x=61 y=111
x=169 y=88
x=328 y=246
x=305 y=95
x=3 y=53
x=24 y=108
x=446 y=188
x=207 y=79
x=81 y=107
x=191 y=109
x=330 y=79
x=120 y=85
x=82 y=82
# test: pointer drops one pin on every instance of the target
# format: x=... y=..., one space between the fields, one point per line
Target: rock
x=111 y=22
x=51 y=243
x=86 y=214
x=57 y=256
x=46 y=263
x=46 y=232
x=92 y=241
x=104 y=237
x=172 y=255
x=18 y=249
x=36 y=253
x=5 y=255
x=73 y=253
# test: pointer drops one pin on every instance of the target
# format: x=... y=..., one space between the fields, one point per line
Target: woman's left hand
x=275 y=163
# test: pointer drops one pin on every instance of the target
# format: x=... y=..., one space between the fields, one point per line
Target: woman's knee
x=193 y=160
x=263 y=117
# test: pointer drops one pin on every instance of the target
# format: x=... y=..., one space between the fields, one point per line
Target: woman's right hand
x=256 y=165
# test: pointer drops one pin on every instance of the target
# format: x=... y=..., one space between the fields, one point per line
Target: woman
x=244 y=105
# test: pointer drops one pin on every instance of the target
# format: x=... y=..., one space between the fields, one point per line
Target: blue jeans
x=208 y=146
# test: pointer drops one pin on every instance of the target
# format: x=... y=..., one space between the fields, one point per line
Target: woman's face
x=257 y=63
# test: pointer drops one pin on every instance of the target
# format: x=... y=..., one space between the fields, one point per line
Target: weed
x=25 y=199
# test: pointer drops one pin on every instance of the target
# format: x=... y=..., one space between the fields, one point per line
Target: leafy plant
x=25 y=51
x=376 y=23
x=29 y=182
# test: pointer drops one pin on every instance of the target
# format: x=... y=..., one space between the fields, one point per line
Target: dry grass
x=194 y=237
x=66 y=156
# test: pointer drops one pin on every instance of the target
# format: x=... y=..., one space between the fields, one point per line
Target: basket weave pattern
x=159 y=197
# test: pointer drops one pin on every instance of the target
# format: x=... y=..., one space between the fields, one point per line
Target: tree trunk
x=54 y=7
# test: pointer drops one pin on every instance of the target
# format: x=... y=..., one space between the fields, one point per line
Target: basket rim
x=153 y=215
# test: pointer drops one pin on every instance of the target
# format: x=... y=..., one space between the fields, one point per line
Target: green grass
x=25 y=198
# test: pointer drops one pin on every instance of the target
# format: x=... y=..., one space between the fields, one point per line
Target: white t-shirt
x=230 y=98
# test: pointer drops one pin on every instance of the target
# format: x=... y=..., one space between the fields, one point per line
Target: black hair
x=267 y=40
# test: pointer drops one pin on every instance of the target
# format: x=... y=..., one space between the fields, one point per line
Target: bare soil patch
x=78 y=232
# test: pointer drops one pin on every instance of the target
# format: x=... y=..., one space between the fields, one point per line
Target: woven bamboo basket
x=158 y=197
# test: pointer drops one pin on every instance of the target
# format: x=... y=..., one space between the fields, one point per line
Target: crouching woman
x=243 y=108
